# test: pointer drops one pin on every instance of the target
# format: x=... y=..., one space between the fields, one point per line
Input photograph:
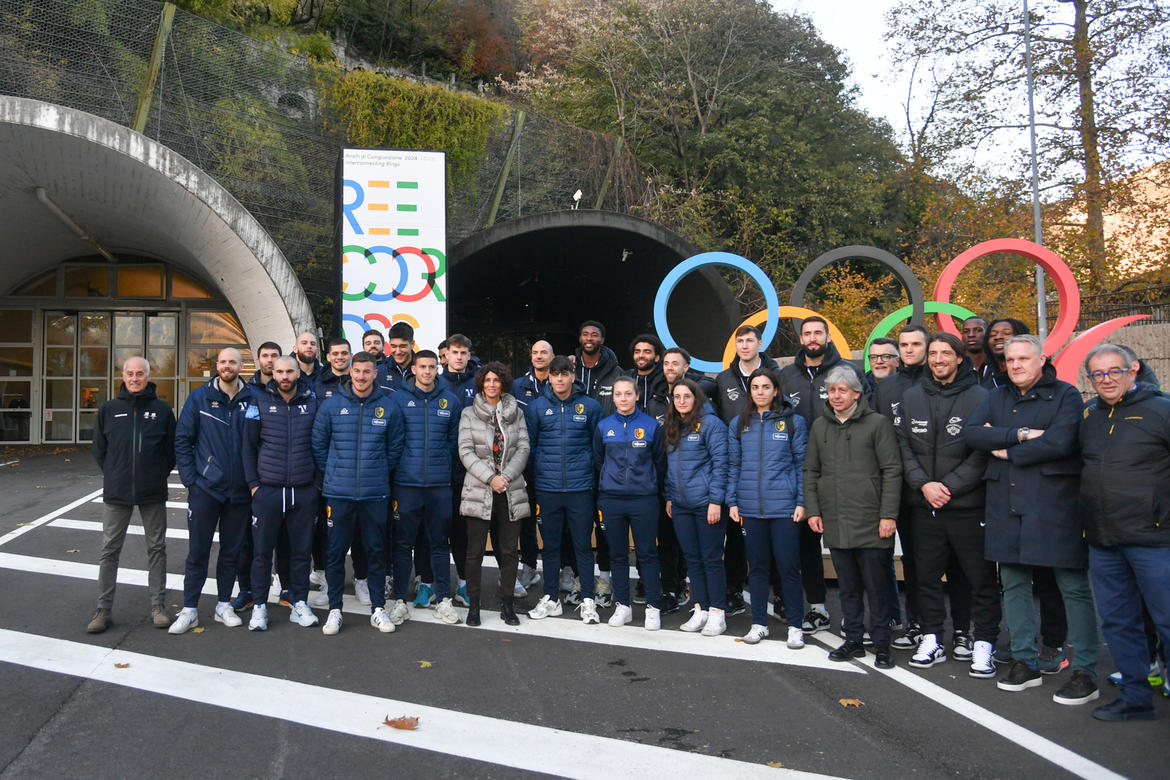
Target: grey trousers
x=115 y=521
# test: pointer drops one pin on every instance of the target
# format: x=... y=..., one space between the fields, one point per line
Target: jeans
x=427 y=509
x=204 y=513
x=702 y=545
x=505 y=534
x=115 y=521
x=553 y=510
x=292 y=513
x=778 y=539
x=1122 y=577
x=940 y=537
x=862 y=571
x=620 y=515
x=367 y=518
x=1019 y=609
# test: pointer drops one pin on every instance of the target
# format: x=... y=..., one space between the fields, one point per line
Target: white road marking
x=133 y=530
x=170 y=504
x=9 y=463
x=8 y=537
x=997 y=724
x=477 y=737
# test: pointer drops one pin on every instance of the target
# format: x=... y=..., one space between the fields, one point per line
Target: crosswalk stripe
x=477 y=737
x=170 y=504
x=133 y=530
x=25 y=528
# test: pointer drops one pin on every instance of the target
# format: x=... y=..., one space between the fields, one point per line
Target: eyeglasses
x=1096 y=377
x=875 y=358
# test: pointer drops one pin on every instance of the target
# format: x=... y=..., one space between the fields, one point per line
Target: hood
x=508 y=409
x=413 y=389
x=1047 y=378
x=459 y=377
x=301 y=391
x=149 y=393
x=606 y=358
x=1140 y=392
x=347 y=390
x=964 y=378
x=914 y=373
x=832 y=358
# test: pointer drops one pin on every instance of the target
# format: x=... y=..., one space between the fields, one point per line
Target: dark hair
x=269 y=345
x=443 y=344
x=591 y=324
x=883 y=341
x=560 y=365
x=743 y=330
x=458 y=340
x=814 y=318
x=362 y=357
x=749 y=409
x=426 y=353
x=1018 y=329
x=372 y=332
x=401 y=330
x=677 y=423
x=336 y=342
x=686 y=356
x=647 y=338
x=497 y=368
x=952 y=341
x=912 y=328
x=976 y=317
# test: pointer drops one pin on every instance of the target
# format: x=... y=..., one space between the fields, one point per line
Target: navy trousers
x=768 y=540
x=367 y=518
x=290 y=512
x=205 y=513
x=553 y=511
x=702 y=546
x=429 y=510
x=620 y=515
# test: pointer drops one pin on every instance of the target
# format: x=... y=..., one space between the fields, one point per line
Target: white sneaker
x=697 y=620
x=259 y=620
x=445 y=612
x=519 y=591
x=529 y=576
x=795 y=638
x=317 y=577
x=982 y=660
x=361 y=590
x=755 y=634
x=381 y=621
x=929 y=652
x=226 y=615
x=716 y=622
x=332 y=623
x=653 y=620
x=320 y=598
x=604 y=589
x=302 y=615
x=622 y=614
x=399 y=612
x=566 y=579
x=187 y=618
x=546 y=607
x=589 y=611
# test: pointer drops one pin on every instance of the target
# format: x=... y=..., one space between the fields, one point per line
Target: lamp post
x=1038 y=235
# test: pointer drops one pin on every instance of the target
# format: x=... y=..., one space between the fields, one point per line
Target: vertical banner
x=393 y=243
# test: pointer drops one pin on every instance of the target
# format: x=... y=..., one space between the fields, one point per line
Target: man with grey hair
x=1125 y=507
x=134 y=445
x=209 y=445
x=1029 y=426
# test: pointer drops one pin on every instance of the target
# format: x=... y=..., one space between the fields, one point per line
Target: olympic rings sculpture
x=1067 y=356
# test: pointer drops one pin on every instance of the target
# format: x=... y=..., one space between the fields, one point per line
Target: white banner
x=394 y=243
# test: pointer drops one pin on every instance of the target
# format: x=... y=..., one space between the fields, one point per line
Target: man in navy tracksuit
x=560 y=429
x=459 y=378
x=422 y=484
x=278 y=464
x=208 y=448
x=357 y=442
x=396 y=367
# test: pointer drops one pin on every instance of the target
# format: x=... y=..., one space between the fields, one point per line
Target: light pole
x=1038 y=235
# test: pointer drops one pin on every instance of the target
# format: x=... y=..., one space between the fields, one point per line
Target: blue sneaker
x=425 y=596
x=461 y=595
x=1052 y=660
x=242 y=601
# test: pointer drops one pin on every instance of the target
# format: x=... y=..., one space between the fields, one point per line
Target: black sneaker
x=1080 y=689
x=1020 y=677
x=962 y=647
x=735 y=604
x=883 y=660
x=1120 y=711
x=669 y=603
x=778 y=609
x=910 y=639
x=850 y=649
x=640 y=593
x=816 y=621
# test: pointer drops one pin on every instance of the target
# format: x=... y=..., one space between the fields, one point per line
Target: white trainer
x=445 y=612
x=982 y=661
x=321 y=597
x=755 y=634
x=361 y=590
x=604 y=589
x=546 y=607
x=332 y=623
x=697 y=620
x=317 y=577
x=622 y=614
x=716 y=622
x=187 y=618
x=795 y=638
x=929 y=652
x=302 y=615
x=588 y=610
x=653 y=620
x=381 y=621
x=259 y=621
x=226 y=615
x=399 y=612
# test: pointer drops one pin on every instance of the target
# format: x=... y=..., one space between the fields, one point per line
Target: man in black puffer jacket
x=945 y=499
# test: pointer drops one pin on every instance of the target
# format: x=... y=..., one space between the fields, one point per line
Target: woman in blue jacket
x=696 y=480
x=765 y=492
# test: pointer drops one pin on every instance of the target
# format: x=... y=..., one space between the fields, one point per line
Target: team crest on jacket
x=639 y=433
x=781 y=425
x=379 y=412
x=732 y=394
x=954 y=426
x=1086 y=413
x=579 y=408
x=442 y=403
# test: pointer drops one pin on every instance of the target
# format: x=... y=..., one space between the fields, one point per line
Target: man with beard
x=329 y=382
x=676 y=365
x=994 y=340
x=209 y=443
x=803 y=381
x=306 y=352
x=399 y=346
x=266 y=356
x=883 y=361
x=974 y=328
x=529 y=387
x=375 y=345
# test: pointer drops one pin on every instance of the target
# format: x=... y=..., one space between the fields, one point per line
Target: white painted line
x=8 y=537
x=10 y=463
x=564 y=628
x=476 y=737
x=133 y=530
x=170 y=504
x=1013 y=732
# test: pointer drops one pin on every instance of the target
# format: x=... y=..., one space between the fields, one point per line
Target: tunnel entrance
x=539 y=277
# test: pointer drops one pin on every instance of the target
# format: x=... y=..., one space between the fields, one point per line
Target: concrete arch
x=134 y=195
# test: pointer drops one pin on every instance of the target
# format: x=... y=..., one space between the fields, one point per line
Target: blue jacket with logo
x=278 y=450
x=765 y=463
x=561 y=435
x=328 y=384
x=357 y=442
x=209 y=441
x=528 y=388
x=629 y=454
x=431 y=429
x=461 y=384
x=696 y=469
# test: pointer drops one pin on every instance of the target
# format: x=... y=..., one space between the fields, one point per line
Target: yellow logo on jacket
x=442 y=403
x=639 y=433
x=579 y=408
x=781 y=425
x=379 y=412
x=1086 y=413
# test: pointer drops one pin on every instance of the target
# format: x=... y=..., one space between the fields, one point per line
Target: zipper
x=288 y=434
x=564 y=450
x=426 y=439
x=357 y=472
x=136 y=449
x=760 y=471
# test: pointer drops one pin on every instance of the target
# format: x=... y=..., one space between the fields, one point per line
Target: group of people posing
x=992 y=473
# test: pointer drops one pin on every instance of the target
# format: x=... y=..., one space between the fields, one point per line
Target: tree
x=1102 y=78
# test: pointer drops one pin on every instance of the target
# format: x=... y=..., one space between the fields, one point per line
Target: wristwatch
x=1022 y=434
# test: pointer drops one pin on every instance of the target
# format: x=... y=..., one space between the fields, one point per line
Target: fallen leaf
x=72 y=551
x=20 y=524
x=740 y=639
x=405 y=723
x=121 y=666
x=424 y=664
x=198 y=630
x=505 y=640
x=851 y=702
x=775 y=764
